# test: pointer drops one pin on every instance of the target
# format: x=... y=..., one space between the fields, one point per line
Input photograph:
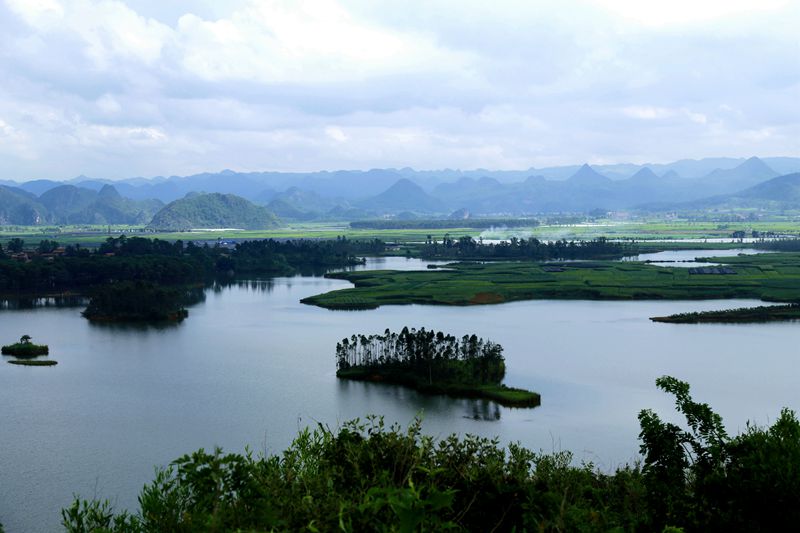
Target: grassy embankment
x=770 y=277
x=507 y=396
x=33 y=362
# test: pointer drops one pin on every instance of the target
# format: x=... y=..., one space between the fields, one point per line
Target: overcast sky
x=157 y=87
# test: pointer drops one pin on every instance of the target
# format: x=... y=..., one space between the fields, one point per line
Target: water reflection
x=265 y=285
x=32 y=302
x=434 y=405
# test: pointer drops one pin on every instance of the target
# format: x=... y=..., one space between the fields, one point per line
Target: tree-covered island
x=431 y=362
x=25 y=348
x=742 y=315
x=137 y=301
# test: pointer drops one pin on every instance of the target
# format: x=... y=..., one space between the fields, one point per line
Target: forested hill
x=213 y=210
x=68 y=204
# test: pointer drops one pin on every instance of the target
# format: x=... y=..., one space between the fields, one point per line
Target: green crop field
x=640 y=230
x=770 y=277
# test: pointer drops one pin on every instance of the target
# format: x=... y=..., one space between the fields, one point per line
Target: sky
x=114 y=89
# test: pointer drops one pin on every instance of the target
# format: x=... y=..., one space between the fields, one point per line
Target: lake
x=251 y=366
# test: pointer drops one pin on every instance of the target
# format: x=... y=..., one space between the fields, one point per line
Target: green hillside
x=213 y=210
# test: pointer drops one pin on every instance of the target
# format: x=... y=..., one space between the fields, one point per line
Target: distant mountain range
x=68 y=204
x=353 y=195
x=779 y=193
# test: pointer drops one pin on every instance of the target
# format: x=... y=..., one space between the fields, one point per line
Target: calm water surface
x=251 y=365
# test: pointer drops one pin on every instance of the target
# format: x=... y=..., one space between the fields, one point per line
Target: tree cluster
x=432 y=355
x=468 y=248
x=169 y=263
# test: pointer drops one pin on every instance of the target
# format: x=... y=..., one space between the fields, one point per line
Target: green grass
x=769 y=277
x=33 y=362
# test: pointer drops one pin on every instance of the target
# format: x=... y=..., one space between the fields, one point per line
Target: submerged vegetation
x=365 y=476
x=25 y=348
x=431 y=362
x=769 y=277
x=742 y=315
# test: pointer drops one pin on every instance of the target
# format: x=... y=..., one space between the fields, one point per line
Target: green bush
x=368 y=477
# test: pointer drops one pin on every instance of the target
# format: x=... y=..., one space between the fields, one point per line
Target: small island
x=743 y=315
x=25 y=348
x=137 y=301
x=33 y=362
x=432 y=363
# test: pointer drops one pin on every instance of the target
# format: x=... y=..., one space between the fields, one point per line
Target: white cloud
x=117 y=90
x=648 y=112
x=305 y=41
x=336 y=134
x=677 y=12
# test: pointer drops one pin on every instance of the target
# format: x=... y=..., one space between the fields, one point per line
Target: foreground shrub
x=369 y=477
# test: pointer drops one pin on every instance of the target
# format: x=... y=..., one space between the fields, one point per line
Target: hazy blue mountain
x=306 y=200
x=671 y=175
x=65 y=200
x=19 y=207
x=782 y=192
x=784 y=189
x=551 y=189
x=213 y=210
x=783 y=165
x=587 y=176
x=749 y=173
x=68 y=204
x=39 y=187
x=454 y=194
x=265 y=196
x=404 y=195
x=286 y=211
x=645 y=175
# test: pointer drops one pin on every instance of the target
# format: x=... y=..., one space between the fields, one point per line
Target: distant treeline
x=167 y=263
x=432 y=355
x=779 y=245
x=468 y=248
x=763 y=313
x=474 y=223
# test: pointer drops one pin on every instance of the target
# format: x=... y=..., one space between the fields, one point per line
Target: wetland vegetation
x=431 y=362
x=769 y=277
